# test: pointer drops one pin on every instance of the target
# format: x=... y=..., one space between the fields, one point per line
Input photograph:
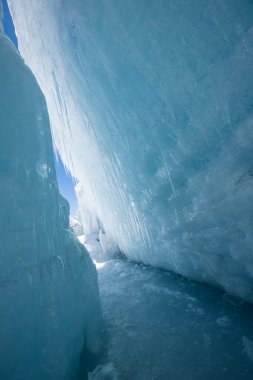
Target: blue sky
x=8 y=24
x=66 y=185
x=65 y=181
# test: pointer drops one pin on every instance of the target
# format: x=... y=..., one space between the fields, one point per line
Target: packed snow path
x=160 y=326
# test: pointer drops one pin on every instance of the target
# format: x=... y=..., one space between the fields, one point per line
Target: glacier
x=151 y=109
x=50 y=313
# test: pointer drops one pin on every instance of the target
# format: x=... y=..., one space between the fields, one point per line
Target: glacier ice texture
x=150 y=105
x=49 y=303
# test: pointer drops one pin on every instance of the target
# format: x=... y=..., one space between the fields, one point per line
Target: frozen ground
x=160 y=326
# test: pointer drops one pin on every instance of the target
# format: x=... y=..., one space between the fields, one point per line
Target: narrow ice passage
x=150 y=106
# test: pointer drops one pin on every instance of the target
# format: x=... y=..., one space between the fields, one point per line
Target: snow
x=49 y=305
x=76 y=226
x=151 y=110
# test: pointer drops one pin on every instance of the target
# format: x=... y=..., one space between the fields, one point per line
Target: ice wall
x=151 y=109
x=49 y=305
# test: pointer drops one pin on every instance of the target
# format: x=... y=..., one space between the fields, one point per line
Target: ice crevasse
x=151 y=108
x=49 y=304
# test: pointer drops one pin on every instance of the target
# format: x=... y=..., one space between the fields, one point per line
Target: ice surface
x=161 y=326
x=151 y=109
x=49 y=304
x=169 y=330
